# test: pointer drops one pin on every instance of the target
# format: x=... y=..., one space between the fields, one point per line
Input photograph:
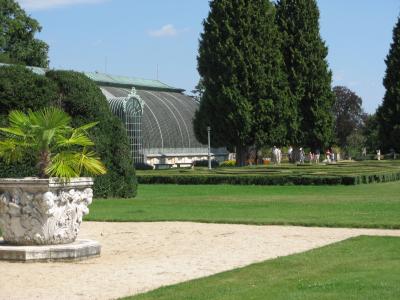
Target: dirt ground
x=138 y=257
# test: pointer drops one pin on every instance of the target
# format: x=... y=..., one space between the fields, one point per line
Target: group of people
x=300 y=156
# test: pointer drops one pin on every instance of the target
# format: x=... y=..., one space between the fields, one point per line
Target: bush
x=83 y=100
x=22 y=89
x=228 y=163
x=269 y=180
x=143 y=166
x=204 y=163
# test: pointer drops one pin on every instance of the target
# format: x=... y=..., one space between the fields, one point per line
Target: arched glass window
x=130 y=110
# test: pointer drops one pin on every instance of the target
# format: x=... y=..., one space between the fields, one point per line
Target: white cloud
x=48 y=4
x=168 y=30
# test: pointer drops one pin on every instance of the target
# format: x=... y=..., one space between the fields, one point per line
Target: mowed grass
x=360 y=268
x=375 y=205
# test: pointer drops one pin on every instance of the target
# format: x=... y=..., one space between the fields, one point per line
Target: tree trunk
x=241 y=155
x=44 y=162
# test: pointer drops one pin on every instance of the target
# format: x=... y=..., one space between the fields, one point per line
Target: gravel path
x=137 y=257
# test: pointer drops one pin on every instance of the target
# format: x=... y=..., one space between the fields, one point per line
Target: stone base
x=80 y=249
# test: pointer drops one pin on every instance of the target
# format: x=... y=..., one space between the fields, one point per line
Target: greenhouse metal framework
x=158 y=119
x=130 y=110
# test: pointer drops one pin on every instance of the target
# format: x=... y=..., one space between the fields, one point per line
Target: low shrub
x=269 y=179
x=143 y=166
x=204 y=163
x=228 y=163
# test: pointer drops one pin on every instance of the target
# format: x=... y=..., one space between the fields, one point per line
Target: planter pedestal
x=44 y=212
x=78 y=250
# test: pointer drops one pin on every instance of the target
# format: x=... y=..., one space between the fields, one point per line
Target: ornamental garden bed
x=346 y=173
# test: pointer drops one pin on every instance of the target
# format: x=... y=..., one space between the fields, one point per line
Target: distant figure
x=364 y=152
x=290 y=154
x=378 y=154
x=276 y=155
x=310 y=157
x=302 y=155
x=279 y=156
x=328 y=156
x=317 y=155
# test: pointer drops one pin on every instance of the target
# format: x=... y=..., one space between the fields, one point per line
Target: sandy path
x=137 y=257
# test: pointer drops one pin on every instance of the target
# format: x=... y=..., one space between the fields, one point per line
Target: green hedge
x=269 y=180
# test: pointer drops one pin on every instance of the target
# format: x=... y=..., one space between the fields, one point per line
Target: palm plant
x=47 y=137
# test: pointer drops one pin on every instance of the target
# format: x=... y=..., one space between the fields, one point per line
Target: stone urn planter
x=43 y=211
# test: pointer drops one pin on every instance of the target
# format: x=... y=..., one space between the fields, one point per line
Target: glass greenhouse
x=158 y=119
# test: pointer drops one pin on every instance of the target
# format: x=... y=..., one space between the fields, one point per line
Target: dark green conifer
x=309 y=78
x=388 y=114
x=245 y=97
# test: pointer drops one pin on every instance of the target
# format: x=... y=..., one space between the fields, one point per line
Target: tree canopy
x=305 y=55
x=348 y=114
x=388 y=114
x=17 y=38
x=245 y=98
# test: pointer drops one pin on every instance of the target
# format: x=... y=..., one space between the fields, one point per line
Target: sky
x=158 y=39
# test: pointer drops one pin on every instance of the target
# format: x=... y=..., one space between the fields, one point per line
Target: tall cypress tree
x=309 y=78
x=245 y=97
x=388 y=114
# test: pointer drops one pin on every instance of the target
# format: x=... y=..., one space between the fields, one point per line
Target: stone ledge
x=79 y=250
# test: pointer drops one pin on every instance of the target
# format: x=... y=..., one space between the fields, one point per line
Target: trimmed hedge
x=204 y=163
x=143 y=166
x=269 y=180
x=22 y=89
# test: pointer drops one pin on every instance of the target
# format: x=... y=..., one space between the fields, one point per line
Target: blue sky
x=132 y=37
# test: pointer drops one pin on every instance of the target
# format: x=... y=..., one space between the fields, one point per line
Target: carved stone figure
x=43 y=211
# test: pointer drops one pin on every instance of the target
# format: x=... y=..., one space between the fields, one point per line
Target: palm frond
x=13 y=150
x=18 y=119
x=91 y=163
x=64 y=165
x=50 y=118
x=47 y=133
x=14 y=131
x=76 y=139
x=87 y=126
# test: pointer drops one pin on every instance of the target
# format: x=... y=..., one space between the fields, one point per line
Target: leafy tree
x=47 y=137
x=371 y=133
x=355 y=143
x=309 y=78
x=348 y=114
x=388 y=114
x=245 y=100
x=17 y=37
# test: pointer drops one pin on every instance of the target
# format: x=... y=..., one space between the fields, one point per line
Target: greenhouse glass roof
x=123 y=81
x=167 y=118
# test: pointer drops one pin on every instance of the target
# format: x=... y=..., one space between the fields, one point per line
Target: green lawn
x=360 y=268
x=374 y=205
